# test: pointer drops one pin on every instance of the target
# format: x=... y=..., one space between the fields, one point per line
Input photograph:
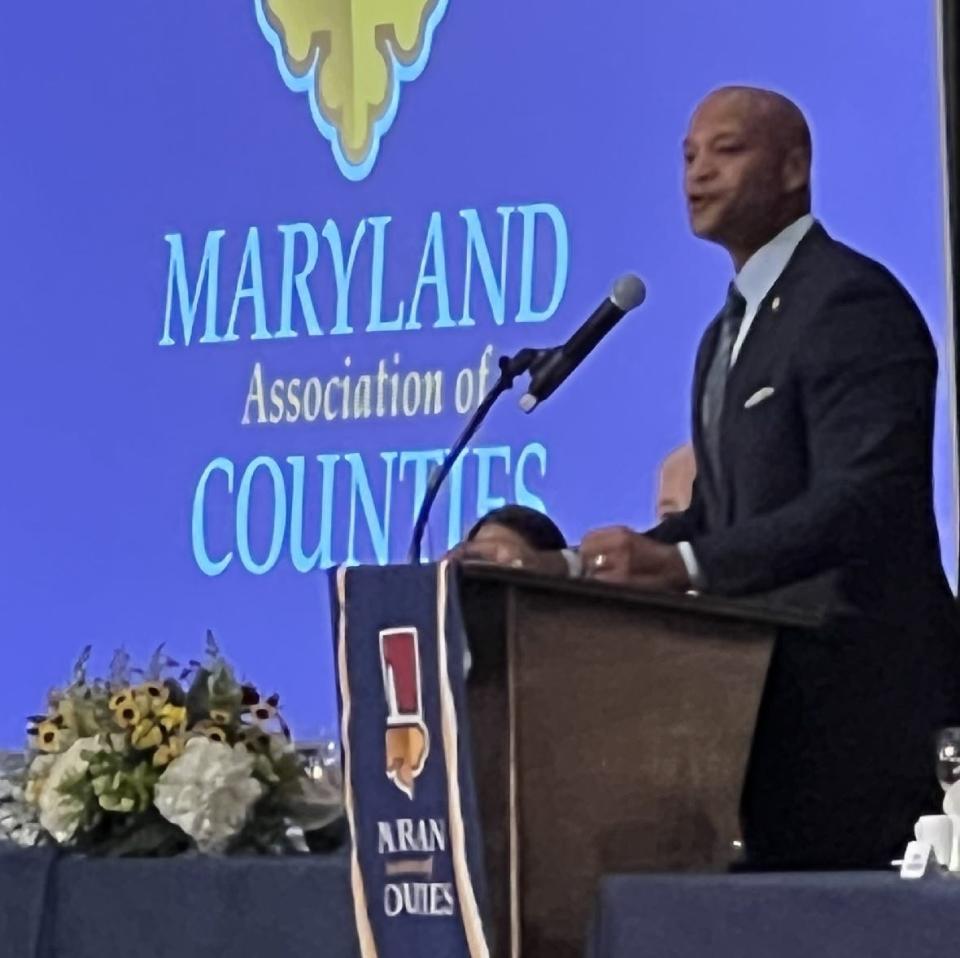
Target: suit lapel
x=708 y=346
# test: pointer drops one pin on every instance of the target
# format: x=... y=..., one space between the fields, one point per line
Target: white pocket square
x=759 y=396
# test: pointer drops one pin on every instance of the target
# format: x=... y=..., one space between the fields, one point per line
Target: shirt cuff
x=691 y=564
x=574 y=562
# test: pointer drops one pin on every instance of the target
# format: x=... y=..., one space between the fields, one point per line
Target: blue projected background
x=232 y=350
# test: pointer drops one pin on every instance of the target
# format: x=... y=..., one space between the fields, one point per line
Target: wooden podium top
x=758 y=610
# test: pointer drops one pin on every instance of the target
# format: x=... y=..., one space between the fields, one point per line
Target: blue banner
x=417 y=868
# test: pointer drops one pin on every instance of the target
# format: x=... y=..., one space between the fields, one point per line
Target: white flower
x=208 y=792
x=37 y=777
x=59 y=813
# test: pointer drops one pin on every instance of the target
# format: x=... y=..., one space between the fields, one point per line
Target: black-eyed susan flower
x=266 y=713
x=127 y=715
x=262 y=713
x=146 y=734
x=50 y=736
x=67 y=710
x=172 y=717
x=255 y=739
x=166 y=753
x=121 y=700
x=215 y=734
x=220 y=716
x=154 y=694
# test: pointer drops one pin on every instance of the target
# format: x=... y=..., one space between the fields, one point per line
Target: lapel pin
x=775 y=305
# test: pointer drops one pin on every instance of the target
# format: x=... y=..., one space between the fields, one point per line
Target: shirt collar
x=763 y=269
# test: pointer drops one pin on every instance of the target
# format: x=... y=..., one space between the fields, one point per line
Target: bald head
x=747 y=158
x=770 y=114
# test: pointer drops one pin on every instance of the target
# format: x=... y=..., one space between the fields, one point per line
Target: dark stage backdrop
x=258 y=258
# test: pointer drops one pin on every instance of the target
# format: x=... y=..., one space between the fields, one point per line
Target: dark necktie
x=715 y=383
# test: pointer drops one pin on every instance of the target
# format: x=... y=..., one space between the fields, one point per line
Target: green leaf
x=120 y=669
x=198 y=697
x=80 y=666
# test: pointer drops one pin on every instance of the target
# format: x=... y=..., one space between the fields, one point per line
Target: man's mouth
x=700 y=201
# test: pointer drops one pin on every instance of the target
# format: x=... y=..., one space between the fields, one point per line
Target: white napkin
x=951 y=807
x=951 y=801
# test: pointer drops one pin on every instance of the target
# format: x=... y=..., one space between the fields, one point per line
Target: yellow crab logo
x=350 y=57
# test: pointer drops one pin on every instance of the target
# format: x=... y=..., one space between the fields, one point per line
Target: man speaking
x=813 y=410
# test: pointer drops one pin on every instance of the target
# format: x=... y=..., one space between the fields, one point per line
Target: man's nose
x=701 y=169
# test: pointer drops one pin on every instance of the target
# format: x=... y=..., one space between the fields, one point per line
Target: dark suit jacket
x=825 y=496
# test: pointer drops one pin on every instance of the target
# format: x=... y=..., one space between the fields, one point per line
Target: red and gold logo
x=407 y=740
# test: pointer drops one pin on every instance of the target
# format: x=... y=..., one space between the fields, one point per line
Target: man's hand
x=509 y=550
x=618 y=554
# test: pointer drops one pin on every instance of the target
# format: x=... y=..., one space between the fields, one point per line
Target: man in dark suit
x=813 y=429
x=813 y=409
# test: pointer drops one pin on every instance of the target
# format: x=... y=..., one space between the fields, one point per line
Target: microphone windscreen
x=628 y=292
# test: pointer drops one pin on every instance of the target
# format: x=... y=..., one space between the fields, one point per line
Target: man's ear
x=796 y=170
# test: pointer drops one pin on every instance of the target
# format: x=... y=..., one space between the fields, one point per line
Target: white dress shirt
x=754 y=281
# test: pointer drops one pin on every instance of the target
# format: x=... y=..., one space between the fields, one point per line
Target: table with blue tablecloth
x=827 y=915
x=300 y=907
x=191 y=907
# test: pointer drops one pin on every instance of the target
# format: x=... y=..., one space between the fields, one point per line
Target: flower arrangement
x=140 y=763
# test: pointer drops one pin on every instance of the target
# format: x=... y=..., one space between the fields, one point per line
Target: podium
x=610 y=732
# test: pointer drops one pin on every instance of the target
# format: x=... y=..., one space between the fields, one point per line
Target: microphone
x=555 y=365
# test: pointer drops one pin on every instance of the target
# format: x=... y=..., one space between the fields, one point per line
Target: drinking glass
x=948 y=756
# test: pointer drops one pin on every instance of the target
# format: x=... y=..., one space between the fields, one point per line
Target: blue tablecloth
x=25 y=878
x=296 y=907
x=300 y=908
x=836 y=915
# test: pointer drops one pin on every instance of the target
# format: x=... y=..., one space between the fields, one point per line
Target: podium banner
x=416 y=868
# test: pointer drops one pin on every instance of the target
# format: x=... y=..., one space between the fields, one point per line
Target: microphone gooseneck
x=548 y=369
